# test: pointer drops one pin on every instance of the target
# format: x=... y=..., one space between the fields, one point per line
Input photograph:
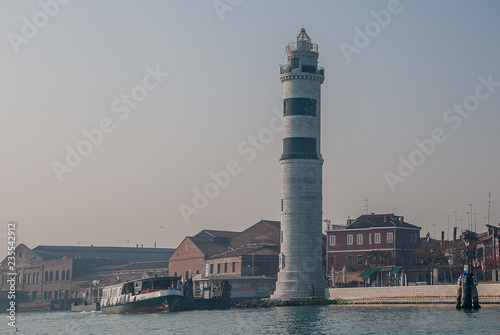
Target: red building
x=488 y=252
x=252 y=260
x=189 y=257
x=371 y=240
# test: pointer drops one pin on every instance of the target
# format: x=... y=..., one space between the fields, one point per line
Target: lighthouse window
x=295 y=63
x=299 y=106
x=309 y=68
x=299 y=148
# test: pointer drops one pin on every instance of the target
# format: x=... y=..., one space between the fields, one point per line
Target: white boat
x=148 y=295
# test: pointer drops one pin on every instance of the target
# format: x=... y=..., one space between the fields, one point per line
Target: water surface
x=330 y=319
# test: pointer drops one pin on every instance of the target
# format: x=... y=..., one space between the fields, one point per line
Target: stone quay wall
x=433 y=294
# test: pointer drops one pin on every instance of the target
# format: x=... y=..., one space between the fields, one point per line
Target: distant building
x=189 y=257
x=371 y=240
x=264 y=231
x=215 y=253
x=488 y=252
x=54 y=272
x=253 y=260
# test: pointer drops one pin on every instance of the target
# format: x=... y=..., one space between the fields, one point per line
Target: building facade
x=188 y=260
x=488 y=252
x=244 y=262
x=371 y=241
x=59 y=272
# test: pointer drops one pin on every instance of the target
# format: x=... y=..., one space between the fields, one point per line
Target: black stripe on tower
x=299 y=106
x=299 y=148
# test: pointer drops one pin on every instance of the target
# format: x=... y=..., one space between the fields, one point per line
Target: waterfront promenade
x=436 y=294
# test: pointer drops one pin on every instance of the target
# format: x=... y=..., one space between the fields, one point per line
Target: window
x=349 y=260
x=57 y=275
x=360 y=260
x=359 y=239
x=211 y=268
x=225 y=267
x=234 y=266
x=412 y=238
x=45 y=295
x=51 y=276
x=377 y=238
x=67 y=274
x=332 y=240
x=390 y=237
x=63 y=275
x=218 y=267
x=46 y=275
x=281 y=236
x=370 y=238
x=295 y=63
x=349 y=239
x=282 y=205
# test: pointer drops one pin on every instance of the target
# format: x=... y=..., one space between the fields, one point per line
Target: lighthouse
x=301 y=272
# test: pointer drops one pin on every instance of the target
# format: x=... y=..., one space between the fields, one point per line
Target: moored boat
x=146 y=295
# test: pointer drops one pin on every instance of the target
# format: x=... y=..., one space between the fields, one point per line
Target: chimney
x=442 y=237
x=454 y=234
x=402 y=219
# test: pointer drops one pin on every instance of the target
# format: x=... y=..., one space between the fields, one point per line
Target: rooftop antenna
x=366 y=206
x=448 y=215
x=489 y=208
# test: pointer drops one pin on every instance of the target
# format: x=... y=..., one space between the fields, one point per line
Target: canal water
x=330 y=319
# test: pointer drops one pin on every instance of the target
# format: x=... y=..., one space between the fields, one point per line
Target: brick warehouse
x=53 y=272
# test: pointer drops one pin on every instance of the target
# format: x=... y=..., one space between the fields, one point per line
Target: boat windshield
x=164 y=284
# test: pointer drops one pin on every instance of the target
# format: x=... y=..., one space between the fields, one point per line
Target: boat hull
x=152 y=305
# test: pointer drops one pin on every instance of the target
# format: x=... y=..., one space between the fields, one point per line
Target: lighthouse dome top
x=303 y=37
x=302 y=42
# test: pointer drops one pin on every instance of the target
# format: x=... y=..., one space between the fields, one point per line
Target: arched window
x=51 y=276
x=63 y=275
x=38 y=277
x=46 y=275
x=67 y=274
x=29 y=278
x=57 y=275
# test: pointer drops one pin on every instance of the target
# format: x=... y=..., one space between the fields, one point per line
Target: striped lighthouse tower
x=301 y=272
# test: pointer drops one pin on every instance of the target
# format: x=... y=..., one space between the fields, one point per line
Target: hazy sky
x=103 y=65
